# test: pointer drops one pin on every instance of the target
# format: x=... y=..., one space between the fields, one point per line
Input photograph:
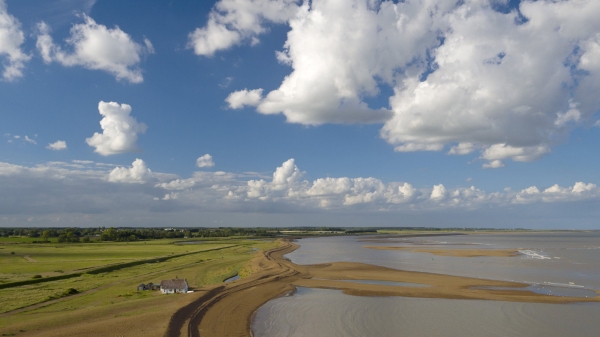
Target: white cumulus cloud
x=288 y=186
x=57 y=145
x=205 y=161
x=288 y=173
x=494 y=164
x=241 y=98
x=96 y=47
x=82 y=188
x=137 y=173
x=11 y=39
x=464 y=75
x=232 y=22
x=462 y=149
x=119 y=130
x=556 y=193
x=178 y=184
x=497 y=152
x=171 y=196
x=438 y=192
x=486 y=88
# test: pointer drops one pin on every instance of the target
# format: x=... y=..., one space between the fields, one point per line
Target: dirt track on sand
x=227 y=310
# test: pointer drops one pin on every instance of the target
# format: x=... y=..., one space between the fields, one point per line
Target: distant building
x=142 y=287
x=175 y=285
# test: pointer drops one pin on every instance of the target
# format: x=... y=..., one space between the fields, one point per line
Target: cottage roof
x=173 y=284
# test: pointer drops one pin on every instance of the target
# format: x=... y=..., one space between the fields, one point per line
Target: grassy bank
x=107 y=277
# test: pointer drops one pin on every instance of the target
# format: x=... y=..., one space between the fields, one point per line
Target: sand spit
x=392 y=237
x=227 y=310
x=454 y=252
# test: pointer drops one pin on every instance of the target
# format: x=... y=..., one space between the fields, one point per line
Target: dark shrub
x=70 y=291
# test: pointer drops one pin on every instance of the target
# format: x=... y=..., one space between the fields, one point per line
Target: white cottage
x=175 y=285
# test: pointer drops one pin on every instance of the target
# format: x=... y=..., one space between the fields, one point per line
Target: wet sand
x=453 y=252
x=403 y=237
x=227 y=310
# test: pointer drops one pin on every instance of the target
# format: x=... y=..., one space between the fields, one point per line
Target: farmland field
x=105 y=276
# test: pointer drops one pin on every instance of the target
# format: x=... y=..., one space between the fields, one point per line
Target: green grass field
x=203 y=263
x=23 y=261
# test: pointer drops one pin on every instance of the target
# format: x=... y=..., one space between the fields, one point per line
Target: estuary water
x=563 y=263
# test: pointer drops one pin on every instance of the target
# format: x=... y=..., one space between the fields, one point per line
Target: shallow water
x=386 y=283
x=233 y=278
x=560 y=264
x=329 y=313
x=550 y=290
x=558 y=258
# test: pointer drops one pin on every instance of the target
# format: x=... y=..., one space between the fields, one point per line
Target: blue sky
x=323 y=112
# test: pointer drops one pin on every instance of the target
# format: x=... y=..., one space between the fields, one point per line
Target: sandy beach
x=227 y=310
x=453 y=252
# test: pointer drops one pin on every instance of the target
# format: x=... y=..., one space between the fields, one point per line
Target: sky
x=476 y=113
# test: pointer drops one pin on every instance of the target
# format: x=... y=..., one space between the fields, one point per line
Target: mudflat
x=453 y=252
x=227 y=310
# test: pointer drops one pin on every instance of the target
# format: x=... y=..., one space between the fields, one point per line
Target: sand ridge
x=454 y=252
x=227 y=310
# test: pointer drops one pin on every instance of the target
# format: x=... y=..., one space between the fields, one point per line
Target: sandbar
x=453 y=252
x=227 y=310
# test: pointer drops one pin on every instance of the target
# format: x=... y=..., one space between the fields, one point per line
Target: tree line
x=85 y=235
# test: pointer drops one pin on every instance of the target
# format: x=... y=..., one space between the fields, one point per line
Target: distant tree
x=86 y=239
x=108 y=234
x=72 y=237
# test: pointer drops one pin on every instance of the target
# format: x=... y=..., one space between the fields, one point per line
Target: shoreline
x=227 y=310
